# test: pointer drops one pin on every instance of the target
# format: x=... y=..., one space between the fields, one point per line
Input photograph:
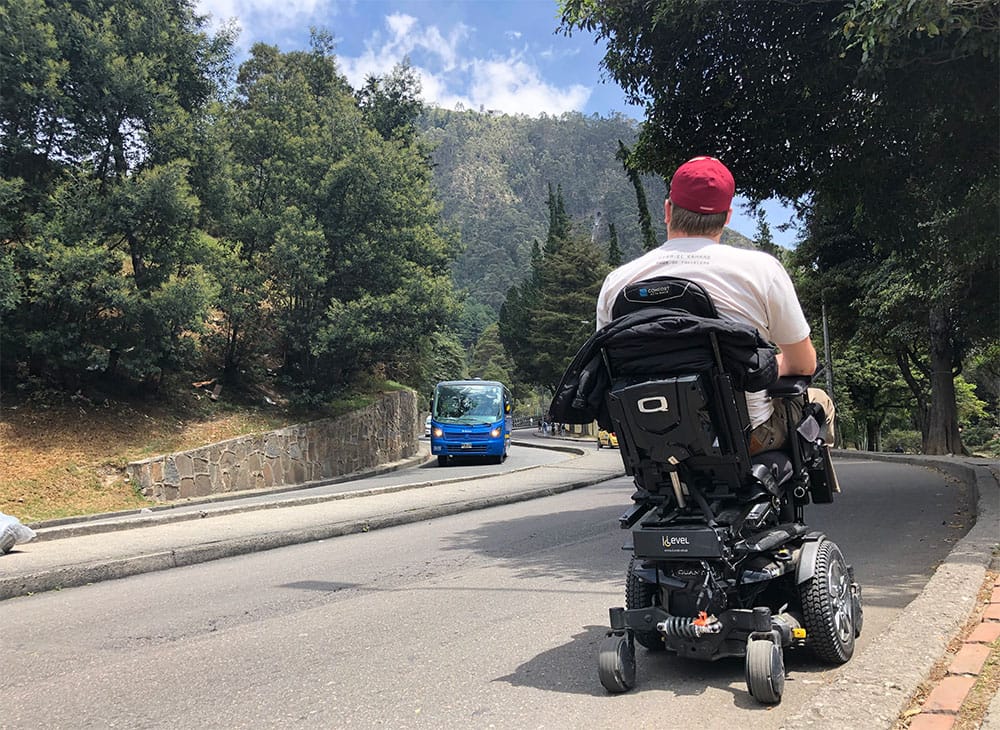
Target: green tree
x=340 y=220
x=391 y=103
x=489 y=360
x=624 y=155
x=796 y=99
x=100 y=103
x=869 y=388
x=445 y=359
x=517 y=319
x=547 y=318
x=614 y=250
x=763 y=238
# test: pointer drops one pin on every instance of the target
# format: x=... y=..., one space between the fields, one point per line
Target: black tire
x=616 y=664
x=642 y=595
x=828 y=606
x=765 y=670
x=442 y=461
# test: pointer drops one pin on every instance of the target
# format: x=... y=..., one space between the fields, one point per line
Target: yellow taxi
x=607 y=439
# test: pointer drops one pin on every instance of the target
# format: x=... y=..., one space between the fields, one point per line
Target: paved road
x=486 y=618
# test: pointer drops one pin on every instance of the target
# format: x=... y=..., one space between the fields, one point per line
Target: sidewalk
x=872 y=690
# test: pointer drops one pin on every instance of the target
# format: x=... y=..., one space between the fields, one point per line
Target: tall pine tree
x=614 y=249
x=547 y=317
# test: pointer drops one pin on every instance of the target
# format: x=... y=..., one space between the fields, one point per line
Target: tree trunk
x=903 y=359
x=873 y=435
x=942 y=435
x=112 y=368
x=230 y=366
x=138 y=264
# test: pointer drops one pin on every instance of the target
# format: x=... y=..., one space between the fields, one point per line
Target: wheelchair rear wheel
x=642 y=595
x=828 y=609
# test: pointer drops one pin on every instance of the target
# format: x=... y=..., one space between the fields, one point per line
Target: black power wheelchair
x=723 y=564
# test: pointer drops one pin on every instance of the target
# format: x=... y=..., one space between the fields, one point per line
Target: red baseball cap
x=703 y=185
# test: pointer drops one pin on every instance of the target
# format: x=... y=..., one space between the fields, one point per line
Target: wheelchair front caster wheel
x=616 y=664
x=765 y=669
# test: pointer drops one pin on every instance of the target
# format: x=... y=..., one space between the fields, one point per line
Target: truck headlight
x=495 y=432
x=438 y=432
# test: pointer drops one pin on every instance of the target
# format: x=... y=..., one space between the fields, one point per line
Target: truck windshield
x=468 y=405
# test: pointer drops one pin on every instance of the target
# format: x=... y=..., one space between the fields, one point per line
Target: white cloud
x=265 y=14
x=448 y=78
x=550 y=53
x=450 y=74
x=405 y=40
x=400 y=24
x=516 y=87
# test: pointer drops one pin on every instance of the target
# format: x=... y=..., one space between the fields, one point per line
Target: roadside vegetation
x=167 y=216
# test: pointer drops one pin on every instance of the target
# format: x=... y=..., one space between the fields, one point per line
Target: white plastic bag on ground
x=13 y=532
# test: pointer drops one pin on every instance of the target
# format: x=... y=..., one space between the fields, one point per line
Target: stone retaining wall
x=384 y=432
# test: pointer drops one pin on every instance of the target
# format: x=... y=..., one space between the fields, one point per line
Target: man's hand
x=798 y=358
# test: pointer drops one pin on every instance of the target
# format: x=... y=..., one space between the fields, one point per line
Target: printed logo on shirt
x=679 y=257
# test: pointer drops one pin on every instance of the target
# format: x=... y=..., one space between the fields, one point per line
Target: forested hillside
x=493 y=173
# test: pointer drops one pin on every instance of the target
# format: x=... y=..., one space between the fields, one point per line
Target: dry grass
x=65 y=459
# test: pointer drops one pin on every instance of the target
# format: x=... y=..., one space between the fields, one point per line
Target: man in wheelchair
x=726 y=444
x=745 y=285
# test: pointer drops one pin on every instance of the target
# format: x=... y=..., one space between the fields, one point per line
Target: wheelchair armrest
x=789 y=386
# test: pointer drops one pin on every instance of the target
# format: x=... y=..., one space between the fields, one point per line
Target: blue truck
x=470 y=418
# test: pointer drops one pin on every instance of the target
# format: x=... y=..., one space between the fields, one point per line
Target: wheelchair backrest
x=681 y=414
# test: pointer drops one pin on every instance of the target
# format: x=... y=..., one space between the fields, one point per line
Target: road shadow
x=542 y=546
x=656 y=671
x=895 y=525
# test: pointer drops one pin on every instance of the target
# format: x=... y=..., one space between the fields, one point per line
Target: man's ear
x=729 y=216
x=666 y=211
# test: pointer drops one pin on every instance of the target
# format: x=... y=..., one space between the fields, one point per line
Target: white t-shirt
x=746 y=286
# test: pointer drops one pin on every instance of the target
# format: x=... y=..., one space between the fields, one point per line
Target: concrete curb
x=941 y=708
x=864 y=693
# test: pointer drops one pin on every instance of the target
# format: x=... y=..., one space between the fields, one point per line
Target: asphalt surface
x=870 y=691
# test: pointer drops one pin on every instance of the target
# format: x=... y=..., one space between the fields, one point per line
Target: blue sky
x=481 y=54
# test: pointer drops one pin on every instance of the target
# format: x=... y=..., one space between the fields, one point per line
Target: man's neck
x=671 y=234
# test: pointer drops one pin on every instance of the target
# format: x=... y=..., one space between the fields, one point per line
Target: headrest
x=664 y=291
